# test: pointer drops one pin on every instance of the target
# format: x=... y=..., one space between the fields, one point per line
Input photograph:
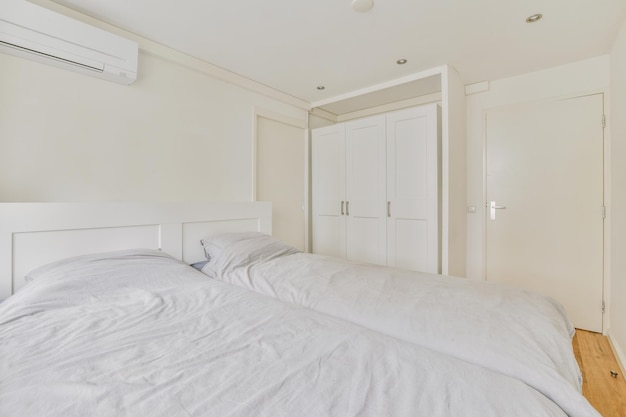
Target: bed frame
x=34 y=234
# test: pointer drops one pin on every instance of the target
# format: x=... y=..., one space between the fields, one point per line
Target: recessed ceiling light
x=362 y=5
x=401 y=61
x=534 y=18
x=320 y=87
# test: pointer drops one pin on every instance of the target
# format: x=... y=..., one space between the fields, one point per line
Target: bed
x=262 y=330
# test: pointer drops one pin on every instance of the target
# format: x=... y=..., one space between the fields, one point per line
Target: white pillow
x=231 y=250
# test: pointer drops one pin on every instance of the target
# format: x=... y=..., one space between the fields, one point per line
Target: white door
x=280 y=153
x=328 y=178
x=412 y=189
x=545 y=202
x=366 y=238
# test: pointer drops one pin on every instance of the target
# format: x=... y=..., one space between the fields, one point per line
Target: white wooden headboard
x=34 y=234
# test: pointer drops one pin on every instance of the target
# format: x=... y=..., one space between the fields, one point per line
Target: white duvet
x=505 y=330
x=140 y=334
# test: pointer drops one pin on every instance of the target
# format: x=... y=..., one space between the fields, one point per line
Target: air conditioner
x=34 y=32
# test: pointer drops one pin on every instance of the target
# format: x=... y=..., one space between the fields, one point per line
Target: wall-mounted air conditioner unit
x=34 y=32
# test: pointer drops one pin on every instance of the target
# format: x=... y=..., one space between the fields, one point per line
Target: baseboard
x=619 y=353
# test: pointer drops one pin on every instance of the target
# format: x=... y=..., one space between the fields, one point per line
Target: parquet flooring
x=596 y=360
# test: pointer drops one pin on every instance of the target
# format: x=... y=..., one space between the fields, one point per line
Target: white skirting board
x=619 y=353
x=34 y=234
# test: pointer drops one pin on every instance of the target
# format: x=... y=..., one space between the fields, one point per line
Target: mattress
x=137 y=333
x=506 y=330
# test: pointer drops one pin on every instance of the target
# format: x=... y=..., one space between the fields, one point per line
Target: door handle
x=492 y=209
x=347 y=208
x=342 y=208
x=388 y=208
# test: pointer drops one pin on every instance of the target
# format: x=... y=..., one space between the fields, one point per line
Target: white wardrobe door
x=329 y=192
x=365 y=190
x=412 y=191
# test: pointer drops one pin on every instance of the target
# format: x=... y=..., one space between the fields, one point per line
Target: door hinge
x=603 y=307
x=603 y=121
x=604 y=212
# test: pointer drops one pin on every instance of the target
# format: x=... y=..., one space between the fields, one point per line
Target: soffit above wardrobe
x=385 y=95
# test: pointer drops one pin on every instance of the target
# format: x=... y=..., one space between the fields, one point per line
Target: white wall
x=582 y=77
x=176 y=134
x=453 y=178
x=617 y=120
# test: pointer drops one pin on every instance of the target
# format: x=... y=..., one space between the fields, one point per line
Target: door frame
x=300 y=124
x=606 y=277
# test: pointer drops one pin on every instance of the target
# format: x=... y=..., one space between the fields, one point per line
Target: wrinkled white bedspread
x=140 y=334
x=506 y=330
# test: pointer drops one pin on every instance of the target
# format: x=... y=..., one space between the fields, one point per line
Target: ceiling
x=295 y=46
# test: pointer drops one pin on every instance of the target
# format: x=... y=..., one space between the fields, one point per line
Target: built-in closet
x=387 y=173
x=375 y=186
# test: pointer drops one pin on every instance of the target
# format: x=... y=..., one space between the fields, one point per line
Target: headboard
x=34 y=234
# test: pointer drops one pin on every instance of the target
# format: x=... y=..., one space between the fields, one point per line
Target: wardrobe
x=376 y=189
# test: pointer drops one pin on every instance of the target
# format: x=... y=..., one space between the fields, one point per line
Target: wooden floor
x=596 y=360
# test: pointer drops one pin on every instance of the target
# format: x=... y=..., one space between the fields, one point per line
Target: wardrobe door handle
x=388 y=208
x=342 y=208
x=347 y=208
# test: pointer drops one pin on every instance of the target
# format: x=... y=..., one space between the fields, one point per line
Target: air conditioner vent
x=34 y=32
